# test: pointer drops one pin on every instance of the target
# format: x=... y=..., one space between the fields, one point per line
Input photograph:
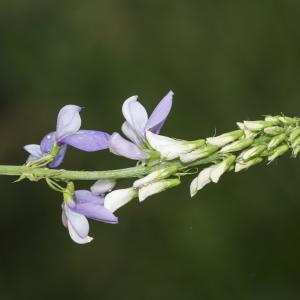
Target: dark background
x=226 y=61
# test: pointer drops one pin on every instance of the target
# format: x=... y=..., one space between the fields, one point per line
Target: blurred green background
x=226 y=61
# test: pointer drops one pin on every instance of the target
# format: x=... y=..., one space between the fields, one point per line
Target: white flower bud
x=278 y=152
x=252 y=152
x=274 y=119
x=276 y=141
x=258 y=125
x=296 y=151
x=103 y=186
x=287 y=120
x=170 y=148
x=224 y=138
x=118 y=198
x=237 y=146
x=294 y=134
x=198 y=153
x=194 y=187
x=296 y=142
x=221 y=168
x=204 y=177
x=155 y=176
x=273 y=130
x=239 y=166
x=157 y=187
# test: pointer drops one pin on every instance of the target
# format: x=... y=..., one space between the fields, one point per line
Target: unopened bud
x=198 y=153
x=237 y=146
x=296 y=151
x=278 y=152
x=287 y=120
x=204 y=177
x=276 y=141
x=219 y=169
x=274 y=119
x=242 y=165
x=118 y=198
x=273 y=130
x=252 y=152
x=225 y=138
x=296 y=142
x=258 y=125
x=157 y=187
x=155 y=176
x=171 y=148
x=295 y=133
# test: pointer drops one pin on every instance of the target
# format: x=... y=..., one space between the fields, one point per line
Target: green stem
x=36 y=173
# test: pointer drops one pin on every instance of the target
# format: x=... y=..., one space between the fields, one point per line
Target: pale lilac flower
x=87 y=204
x=136 y=125
x=67 y=133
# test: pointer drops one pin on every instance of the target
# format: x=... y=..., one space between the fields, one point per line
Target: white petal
x=103 y=186
x=145 y=180
x=218 y=171
x=170 y=148
x=64 y=218
x=34 y=150
x=118 y=198
x=131 y=134
x=135 y=114
x=77 y=238
x=157 y=187
x=79 y=222
x=204 y=178
x=194 y=187
x=68 y=121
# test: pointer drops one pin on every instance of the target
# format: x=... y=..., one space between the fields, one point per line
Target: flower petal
x=76 y=237
x=79 y=222
x=95 y=211
x=87 y=140
x=59 y=158
x=131 y=134
x=120 y=146
x=135 y=114
x=31 y=158
x=171 y=148
x=119 y=198
x=103 y=186
x=68 y=121
x=34 y=150
x=64 y=218
x=47 y=142
x=85 y=196
x=160 y=114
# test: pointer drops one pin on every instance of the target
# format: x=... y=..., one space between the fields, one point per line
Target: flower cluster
x=166 y=158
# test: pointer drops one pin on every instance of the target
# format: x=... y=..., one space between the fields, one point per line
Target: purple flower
x=53 y=146
x=136 y=125
x=87 y=204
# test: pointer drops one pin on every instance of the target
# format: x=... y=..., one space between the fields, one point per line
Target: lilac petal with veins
x=87 y=140
x=59 y=158
x=120 y=146
x=96 y=212
x=47 y=142
x=85 y=196
x=160 y=113
x=34 y=150
x=68 y=121
x=103 y=186
x=135 y=114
